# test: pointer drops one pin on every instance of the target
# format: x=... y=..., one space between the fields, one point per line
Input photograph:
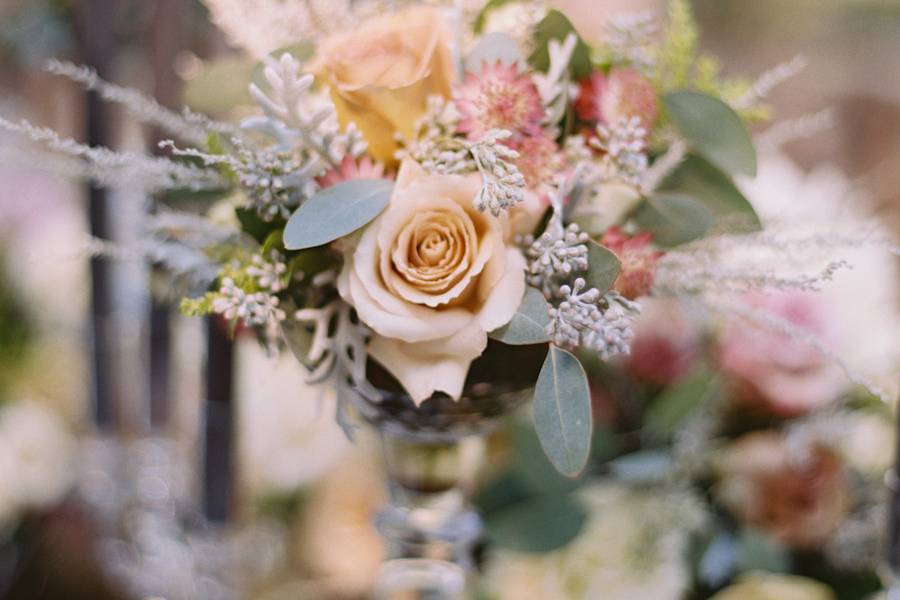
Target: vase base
x=420 y=579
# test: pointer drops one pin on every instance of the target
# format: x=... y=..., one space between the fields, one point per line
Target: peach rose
x=431 y=276
x=800 y=500
x=381 y=74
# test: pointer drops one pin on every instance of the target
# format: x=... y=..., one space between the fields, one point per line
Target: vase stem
x=428 y=525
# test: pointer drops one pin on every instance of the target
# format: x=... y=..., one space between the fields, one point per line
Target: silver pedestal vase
x=430 y=453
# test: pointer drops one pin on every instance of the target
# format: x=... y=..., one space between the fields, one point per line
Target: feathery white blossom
x=631 y=39
x=114 y=169
x=189 y=126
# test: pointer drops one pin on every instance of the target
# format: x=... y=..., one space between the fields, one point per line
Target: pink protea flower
x=539 y=158
x=638 y=260
x=349 y=169
x=498 y=97
x=622 y=94
x=773 y=372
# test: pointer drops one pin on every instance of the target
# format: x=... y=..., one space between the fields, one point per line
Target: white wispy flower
x=634 y=545
x=288 y=436
x=38 y=457
x=865 y=298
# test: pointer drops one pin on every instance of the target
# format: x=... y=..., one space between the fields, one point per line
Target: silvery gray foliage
x=436 y=147
x=189 y=126
x=117 y=169
x=299 y=119
x=502 y=183
x=631 y=38
x=555 y=256
x=624 y=142
x=269 y=271
x=555 y=87
x=257 y=309
x=589 y=319
x=579 y=316
x=306 y=141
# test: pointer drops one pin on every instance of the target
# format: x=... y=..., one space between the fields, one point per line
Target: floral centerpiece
x=415 y=199
x=434 y=207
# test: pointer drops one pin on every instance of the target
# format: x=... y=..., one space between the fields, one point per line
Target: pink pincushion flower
x=771 y=370
x=349 y=169
x=498 y=97
x=539 y=158
x=638 y=261
x=624 y=93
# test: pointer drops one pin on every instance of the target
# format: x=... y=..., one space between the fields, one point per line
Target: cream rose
x=381 y=73
x=431 y=276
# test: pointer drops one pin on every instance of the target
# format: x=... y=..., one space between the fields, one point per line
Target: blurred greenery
x=15 y=331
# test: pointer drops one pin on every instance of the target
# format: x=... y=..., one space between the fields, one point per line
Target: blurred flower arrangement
x=417 y=185
x=424 y=190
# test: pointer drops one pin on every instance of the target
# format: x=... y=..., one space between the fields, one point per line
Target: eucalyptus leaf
x=704 y=182
x=562 y=412
x=529 y=324
x=537 y=525
x=493 y=48
x=336 y=211
x=673 y=218
x=759 y=551
x=646 y=466
x=603 y=267
x=531 y=464
x=717 y=563
x=556 y=26
x=672 y=406
x=713 y=129
x=255 y=227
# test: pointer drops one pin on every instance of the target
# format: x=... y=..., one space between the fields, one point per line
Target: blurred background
x=119 y=473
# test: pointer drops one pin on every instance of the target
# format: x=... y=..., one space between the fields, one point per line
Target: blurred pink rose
x=666 y=345
x=798 y=499
x=773 y=371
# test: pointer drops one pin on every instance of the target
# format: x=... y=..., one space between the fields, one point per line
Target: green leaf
x=671 y=407
x=702 y=181
x=713 y=129
x=673 y=218
x=758 y=551
x=537 y=525
x=336 y=211
x=646 y=466
x=529 y=324
x=562 y=412
x=603 y=267
x=490 y=49
x=255 y=227
x=273 y=242
x=481 y=19
x=556 y=26
x=531 y=464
